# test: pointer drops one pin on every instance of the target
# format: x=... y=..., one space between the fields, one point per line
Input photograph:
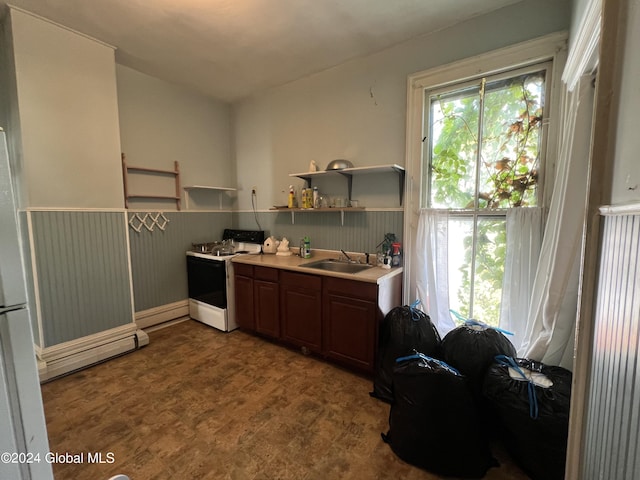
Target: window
x=482 y=154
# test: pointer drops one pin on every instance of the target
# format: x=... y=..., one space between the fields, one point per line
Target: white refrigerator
x=23 y=439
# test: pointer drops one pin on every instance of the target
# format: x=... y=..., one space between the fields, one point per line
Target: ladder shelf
x=126 y=169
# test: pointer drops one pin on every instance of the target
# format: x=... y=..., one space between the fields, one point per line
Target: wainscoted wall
x=158 y=261
x=81 y=259
x=612 y=446
x=89 y=302
x=82 y=273
x=362 y=231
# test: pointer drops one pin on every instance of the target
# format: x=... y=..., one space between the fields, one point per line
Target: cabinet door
x=302 y=310
x=244 y=303
x=350 y=331
x=266 y=308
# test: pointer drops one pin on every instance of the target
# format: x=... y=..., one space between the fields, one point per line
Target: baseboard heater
x=78 y=354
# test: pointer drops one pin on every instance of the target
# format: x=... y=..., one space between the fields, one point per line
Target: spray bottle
x=292 y=197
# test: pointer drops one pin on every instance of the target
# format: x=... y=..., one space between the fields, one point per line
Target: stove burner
x=220 y=253
x=203 y=247
x=231 y=239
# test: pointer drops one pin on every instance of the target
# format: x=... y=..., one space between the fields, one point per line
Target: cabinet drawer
x=242 y=269
x=351 y=288
x=265 y=273
x=301 y=280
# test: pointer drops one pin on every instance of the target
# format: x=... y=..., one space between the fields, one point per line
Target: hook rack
x=138 y=221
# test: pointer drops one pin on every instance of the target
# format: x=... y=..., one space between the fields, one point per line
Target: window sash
x=472 y=87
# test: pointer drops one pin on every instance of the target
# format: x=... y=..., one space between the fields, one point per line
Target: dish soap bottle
x=305 y=248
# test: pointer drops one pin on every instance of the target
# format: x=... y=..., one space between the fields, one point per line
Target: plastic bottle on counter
x=305 y=247
x=395 y=255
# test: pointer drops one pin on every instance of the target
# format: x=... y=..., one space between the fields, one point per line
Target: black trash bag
x=403 y=330
x=533 y=415
x=433 y=423
x=471 y=348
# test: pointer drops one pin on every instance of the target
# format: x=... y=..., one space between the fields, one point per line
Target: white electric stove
x=210 y=277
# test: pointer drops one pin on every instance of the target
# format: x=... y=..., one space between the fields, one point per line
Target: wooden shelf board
x=207 y=187
x=166 y=197
x=327 y=209
x=152 y=170
x=347 y=171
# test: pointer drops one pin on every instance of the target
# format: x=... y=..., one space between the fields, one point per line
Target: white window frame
x=551 y=47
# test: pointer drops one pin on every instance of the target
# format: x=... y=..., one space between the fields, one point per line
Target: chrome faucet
x=346 y=256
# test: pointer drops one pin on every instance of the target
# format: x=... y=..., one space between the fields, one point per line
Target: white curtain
x=524 y=238
x=552 y=313
x=539 y=304
x=432 y=283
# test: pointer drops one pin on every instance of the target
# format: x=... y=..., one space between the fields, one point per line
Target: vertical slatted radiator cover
x=82 y=270
x=612 y=443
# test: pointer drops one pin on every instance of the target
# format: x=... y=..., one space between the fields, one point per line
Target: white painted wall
x=66 y=98
x=357 y=110
x=161 y=122
x=626 y=170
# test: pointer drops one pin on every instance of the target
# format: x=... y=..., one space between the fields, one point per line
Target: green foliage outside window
x=484 y=157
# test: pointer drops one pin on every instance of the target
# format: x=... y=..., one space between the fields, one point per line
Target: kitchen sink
x=336 y=266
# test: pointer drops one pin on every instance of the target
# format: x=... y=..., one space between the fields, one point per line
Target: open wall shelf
x=348 y=173
x=342 y=210
x=189 y=188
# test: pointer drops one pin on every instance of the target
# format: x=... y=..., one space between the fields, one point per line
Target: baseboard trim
x=163 y=313
x=83 y=352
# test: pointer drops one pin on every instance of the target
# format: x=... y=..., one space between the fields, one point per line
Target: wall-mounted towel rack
x=126 y=169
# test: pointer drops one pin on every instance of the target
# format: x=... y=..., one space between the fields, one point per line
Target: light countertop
x=293 y=262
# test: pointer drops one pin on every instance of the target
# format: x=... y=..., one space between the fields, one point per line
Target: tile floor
x=197 y=403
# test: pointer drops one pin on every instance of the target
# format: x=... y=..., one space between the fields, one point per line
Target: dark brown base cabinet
x=350 y=322
x=301 y=303
x=333 y=317
x=257 y=299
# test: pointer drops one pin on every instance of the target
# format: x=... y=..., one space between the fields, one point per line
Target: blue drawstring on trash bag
x=471 y=322
x=531 y=388
x=416 y=314
x=427 y=358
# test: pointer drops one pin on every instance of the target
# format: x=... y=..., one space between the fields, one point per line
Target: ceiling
x=229 y=49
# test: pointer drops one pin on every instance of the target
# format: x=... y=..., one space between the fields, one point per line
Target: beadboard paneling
x=158 y=260
x=81 y=258
x=362 y=230
x=612 y=443
x=82 y=273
